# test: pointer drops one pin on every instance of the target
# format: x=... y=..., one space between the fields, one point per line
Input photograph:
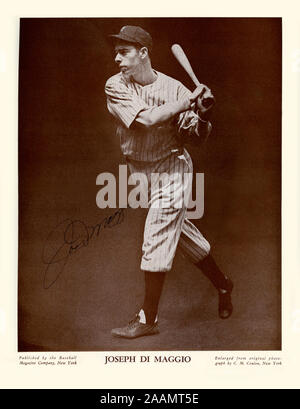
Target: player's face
x=128 y=59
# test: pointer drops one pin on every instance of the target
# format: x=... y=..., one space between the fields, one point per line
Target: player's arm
x=157 y=115
x=131 y=110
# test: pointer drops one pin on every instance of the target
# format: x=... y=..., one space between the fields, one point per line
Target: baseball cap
x=134 y=34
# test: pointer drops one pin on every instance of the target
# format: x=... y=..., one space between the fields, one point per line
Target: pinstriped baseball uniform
x=158 y=150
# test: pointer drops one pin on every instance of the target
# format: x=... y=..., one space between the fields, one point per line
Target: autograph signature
x=72 y=235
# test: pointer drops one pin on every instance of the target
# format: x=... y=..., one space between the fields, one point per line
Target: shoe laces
x=134 y=321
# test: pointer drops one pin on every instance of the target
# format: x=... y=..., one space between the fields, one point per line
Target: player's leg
x=161 y=234
x=145 y=321
x=197 y=249
x=154 y=281
x=222 y=283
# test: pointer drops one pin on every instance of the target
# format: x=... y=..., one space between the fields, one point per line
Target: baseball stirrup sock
x=212 y=271
x=153 y=288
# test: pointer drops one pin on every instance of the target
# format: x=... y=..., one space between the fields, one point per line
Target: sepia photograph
x=149 y=160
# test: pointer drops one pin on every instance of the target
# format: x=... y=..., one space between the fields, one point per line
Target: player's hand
x=205 y=103
x=198 y=93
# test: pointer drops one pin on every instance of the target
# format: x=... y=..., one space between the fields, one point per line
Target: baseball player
x=155 y=115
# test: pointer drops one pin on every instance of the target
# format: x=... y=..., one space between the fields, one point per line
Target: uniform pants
x=166 y=227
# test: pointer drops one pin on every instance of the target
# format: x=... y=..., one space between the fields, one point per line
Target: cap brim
x=129 y=40
x=123 y=38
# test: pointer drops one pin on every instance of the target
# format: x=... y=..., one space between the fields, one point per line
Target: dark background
x=67 y=137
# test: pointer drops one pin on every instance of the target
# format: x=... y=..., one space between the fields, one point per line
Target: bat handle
x=202 y=92
x=195 y=80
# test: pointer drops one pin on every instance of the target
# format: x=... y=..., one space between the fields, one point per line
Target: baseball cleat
x=225 y=304
x=135 y=328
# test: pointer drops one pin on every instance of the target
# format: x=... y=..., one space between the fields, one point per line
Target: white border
x=90 y=372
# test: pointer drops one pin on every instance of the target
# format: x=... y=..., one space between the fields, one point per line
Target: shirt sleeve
x=122 y=103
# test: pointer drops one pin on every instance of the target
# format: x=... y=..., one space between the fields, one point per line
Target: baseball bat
x=181 y=57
